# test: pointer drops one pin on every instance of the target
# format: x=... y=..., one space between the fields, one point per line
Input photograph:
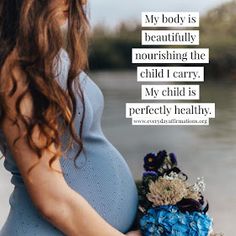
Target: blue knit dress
x=103 y=176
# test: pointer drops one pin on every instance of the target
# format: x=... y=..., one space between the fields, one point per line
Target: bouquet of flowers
x=168 y=203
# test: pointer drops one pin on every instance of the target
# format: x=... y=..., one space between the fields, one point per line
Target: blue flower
x=150 y=162
x=162 y=154
x=167 y=220
x=150 y=173
x=173 y=158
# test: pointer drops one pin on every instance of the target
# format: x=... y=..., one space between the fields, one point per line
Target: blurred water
x=201 y=151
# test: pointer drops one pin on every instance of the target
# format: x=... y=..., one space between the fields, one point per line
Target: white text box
x=170 y=37
x=167 y=109
x=170 y=55
x=170 y=19
x=170 y=92
x=169 y=74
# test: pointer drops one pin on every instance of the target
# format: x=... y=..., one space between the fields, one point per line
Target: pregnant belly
x=105 y=180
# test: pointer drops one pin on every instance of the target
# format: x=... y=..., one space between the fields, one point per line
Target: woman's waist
x=24 y=218
x=20 y=199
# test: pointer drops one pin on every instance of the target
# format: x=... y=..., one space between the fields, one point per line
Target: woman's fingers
x=134 y=233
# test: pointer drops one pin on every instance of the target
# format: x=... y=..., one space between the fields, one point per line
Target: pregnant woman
x=68 y=178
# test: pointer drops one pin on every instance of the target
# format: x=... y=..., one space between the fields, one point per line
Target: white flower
x=171 y=176
x=200 y=185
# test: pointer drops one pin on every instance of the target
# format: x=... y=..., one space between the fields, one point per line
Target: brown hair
x=30 y=27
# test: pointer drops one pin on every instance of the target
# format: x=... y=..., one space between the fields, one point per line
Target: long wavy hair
x=30 y=26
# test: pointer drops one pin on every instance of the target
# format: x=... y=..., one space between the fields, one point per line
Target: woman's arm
x=52 y=196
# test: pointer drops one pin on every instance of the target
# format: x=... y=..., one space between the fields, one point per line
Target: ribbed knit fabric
x=103 y=176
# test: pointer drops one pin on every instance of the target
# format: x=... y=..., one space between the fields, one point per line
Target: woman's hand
x=134 y=233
